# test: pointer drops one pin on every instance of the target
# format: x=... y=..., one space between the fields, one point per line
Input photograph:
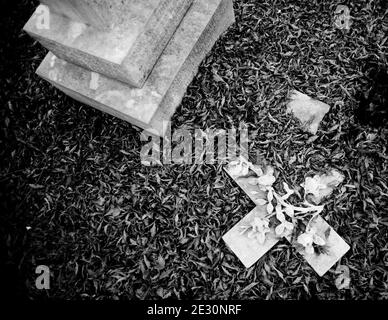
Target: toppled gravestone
x=133 y=59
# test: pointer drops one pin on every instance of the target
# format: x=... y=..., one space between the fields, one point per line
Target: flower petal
x=290 y=211
x=270 y=195
x=280 y=216
x=266 y=180
x=269 y=208
x=310 y=249
x=312 y=186
x=257 y=169
x=305 y=239
x=318 y=240
x=279 y=229
x=289 y=225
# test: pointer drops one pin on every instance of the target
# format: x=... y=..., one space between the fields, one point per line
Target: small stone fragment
x=308 y=111
x=335 y=247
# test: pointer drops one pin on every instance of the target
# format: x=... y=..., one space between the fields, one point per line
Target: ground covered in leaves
x=74 y=195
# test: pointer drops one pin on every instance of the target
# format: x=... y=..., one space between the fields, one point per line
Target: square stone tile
x=252 y=191
x=336 y=248
x=246 y=249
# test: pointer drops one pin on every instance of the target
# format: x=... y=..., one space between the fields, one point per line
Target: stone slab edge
x=221 y=21
x=144 y=54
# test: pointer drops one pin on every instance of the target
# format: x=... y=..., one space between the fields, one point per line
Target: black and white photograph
x=208 y=151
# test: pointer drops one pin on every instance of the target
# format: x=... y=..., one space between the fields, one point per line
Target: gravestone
x=126 y=49
x=136 y=67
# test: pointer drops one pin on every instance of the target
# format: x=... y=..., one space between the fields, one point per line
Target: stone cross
x=249 y=249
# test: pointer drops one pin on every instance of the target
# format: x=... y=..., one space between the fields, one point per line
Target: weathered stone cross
x=253 y=236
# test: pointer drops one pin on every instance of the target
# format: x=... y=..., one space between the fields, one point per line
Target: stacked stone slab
x=133 y=59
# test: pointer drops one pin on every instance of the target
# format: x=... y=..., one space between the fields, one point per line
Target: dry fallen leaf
x=114 y=212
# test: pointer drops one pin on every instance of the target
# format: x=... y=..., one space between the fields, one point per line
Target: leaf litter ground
x=75 y=197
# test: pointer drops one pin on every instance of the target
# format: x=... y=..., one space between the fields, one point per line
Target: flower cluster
x=258 y=229
x=286 y=214
x=308 y=238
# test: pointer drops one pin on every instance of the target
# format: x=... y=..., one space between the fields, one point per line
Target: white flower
x=289 y=210
x=308 y=238
x=238 y=168
x=321 y=186
x=267 y=180
x=259 y=229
